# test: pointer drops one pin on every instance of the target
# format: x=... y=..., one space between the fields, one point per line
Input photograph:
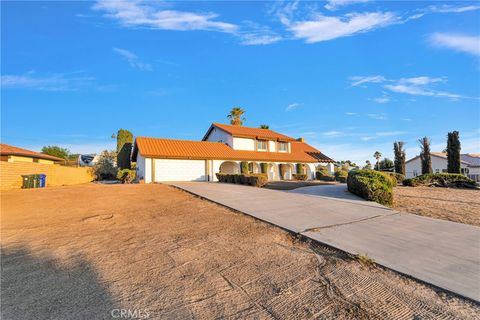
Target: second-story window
x=261 y=145
x=283 y=146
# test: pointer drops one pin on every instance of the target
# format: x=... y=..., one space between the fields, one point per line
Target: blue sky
x=349 y=76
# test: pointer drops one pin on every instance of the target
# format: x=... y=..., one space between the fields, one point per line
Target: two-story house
x=223 y=149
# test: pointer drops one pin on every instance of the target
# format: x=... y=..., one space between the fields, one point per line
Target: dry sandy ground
x=80 y=252
x=458 y=205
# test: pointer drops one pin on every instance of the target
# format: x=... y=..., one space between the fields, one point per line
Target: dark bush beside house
x=371 y=185
x=301 y=177
x=126 y=175
x=324 y=176
x=254 y=179
x=341 y=176
x=445 y=180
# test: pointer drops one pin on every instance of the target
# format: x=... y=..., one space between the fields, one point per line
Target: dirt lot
x=458 y=205
x=84 y=252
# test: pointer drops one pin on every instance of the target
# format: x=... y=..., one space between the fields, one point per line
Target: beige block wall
x=11 y=174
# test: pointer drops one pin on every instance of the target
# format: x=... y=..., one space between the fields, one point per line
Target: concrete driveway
x=443 y=253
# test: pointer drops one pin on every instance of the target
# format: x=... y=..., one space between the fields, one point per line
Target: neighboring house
x=222 y=149
x=14 y=154
x=87 y=160
x=469 y=164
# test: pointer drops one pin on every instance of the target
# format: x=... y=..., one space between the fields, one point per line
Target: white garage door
x=179 y=170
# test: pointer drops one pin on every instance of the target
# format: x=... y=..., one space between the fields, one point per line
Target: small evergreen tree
x=399 y=151
x=453 y=152
x=425 y=155
x=124 y=148
x=264 y=126
x=299 y=168
x=244 y=167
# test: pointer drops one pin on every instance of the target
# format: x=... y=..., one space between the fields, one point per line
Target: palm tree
x=377 y=155
x=235 y=116
x=264 y=126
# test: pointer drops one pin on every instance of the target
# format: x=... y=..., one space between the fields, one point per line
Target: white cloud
x=133 y=59
x=359 y=80
x=332 y=134
x=350 y=113
x=324 y=28
x=335 y=4
x=366 y=138
x=458 y=42
x=453 y=9
x=421 y=91
x=390 y=133
x=293 y=106
x=150 y=15
x=249 y=39
x=406 y=119
x=417 y=86
x=377 y=116
x=54 y=82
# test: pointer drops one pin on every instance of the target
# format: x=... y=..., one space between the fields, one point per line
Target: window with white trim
x=282 y=146
x=261 y=145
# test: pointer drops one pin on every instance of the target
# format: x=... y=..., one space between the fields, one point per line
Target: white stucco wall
x=243 y=144
x=272 y=146
x=140 y=166
x=148 y=170
x=438 y=165
x=218 y=135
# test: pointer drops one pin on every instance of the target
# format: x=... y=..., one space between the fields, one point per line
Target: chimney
x=301 y=139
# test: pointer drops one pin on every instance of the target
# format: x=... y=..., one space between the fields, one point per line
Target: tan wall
x=11 y=174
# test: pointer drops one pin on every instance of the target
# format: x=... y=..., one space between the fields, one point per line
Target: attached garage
x=179 y=170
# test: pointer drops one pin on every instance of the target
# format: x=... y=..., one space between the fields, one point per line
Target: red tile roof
x=187 y=149
x=7 y=150
x=247 y=132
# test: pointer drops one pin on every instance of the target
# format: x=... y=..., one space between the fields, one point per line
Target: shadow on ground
x=37 y=287
x=291 y=184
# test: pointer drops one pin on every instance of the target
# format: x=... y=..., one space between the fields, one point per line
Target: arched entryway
x=229 y=167
x=273 y=173
x=286 y=171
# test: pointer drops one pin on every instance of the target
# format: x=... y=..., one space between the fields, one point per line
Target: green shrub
x=446 y=180
x=300 y=177
x=256 y=179
x=324 y=176
x=371 y=185
x=341 y=176
x=105 y=168
x=299 y=168
x=398 y=177
x=244 y=167
x=126 y=175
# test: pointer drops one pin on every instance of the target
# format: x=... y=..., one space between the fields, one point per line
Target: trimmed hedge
x=371 y=185
x=445 y=180
x=398 y=177
x=341 y=176
x=301 y=177
x=324 y=176
x=254 y=179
